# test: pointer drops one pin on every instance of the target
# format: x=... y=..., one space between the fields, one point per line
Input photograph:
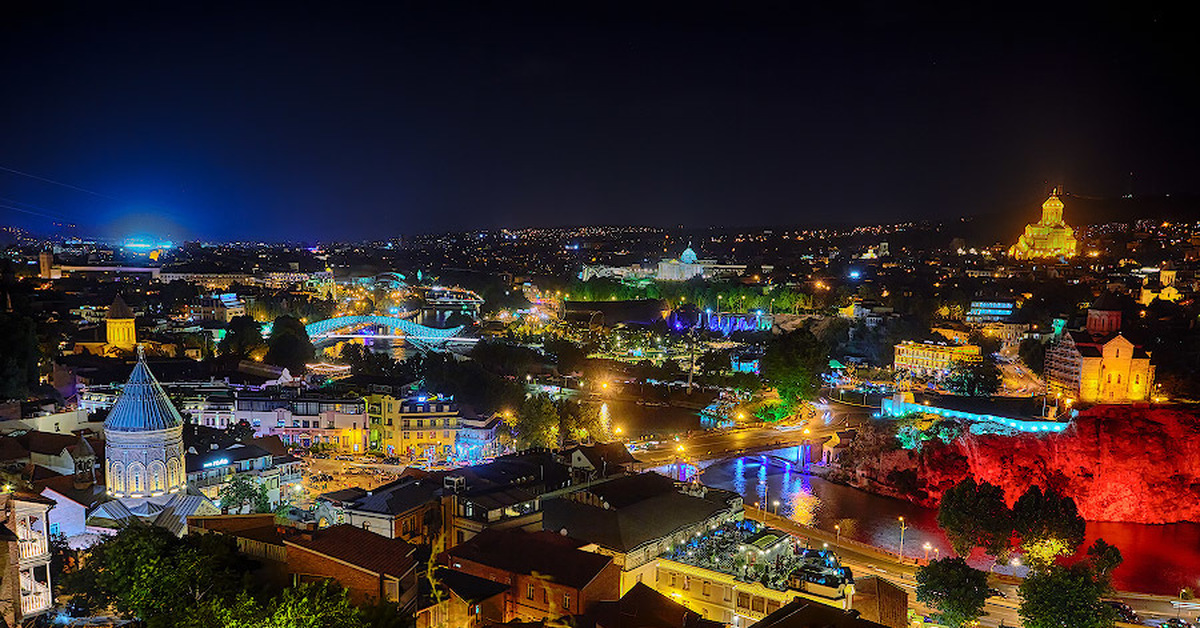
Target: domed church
x=145 y=469
x=143 y=452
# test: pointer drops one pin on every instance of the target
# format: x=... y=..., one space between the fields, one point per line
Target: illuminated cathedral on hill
x=1049 y=237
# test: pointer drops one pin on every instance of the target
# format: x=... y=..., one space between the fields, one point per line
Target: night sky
x=332 y=120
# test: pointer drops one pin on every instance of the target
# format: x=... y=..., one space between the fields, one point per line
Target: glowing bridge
x=420 y=336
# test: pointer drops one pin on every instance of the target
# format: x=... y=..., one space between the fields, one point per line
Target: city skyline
x=309 y=125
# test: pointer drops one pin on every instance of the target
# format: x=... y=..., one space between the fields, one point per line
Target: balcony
x=34 y=548
x=33 y=602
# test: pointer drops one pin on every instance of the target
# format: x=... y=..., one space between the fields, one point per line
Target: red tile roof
x=547 y=553
x=360 y=548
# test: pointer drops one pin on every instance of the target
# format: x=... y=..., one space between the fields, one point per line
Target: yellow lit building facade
x=1099 y=364
x=933 y=359
x=420 y=427
x=1049 y=237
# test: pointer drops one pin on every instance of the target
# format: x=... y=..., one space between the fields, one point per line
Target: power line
x=60 y=183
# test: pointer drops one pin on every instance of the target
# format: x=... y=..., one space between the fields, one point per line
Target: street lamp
x=776 y=502
x=927 y=548
x=903 y=527
x=838 y=529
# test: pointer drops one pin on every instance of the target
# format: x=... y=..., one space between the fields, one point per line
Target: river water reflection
x=1158 y=558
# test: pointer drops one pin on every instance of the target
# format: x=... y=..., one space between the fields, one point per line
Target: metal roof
x=143 y=405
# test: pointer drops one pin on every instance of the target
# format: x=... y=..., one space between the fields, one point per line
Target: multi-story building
x=418 y=427
x=933 y=359
x=1099 y=364
x=477 y=437
x=25 y=577
x=220 y=308
x=306 y=419
x=546 y=573
x=984 y=311
x=636 y=518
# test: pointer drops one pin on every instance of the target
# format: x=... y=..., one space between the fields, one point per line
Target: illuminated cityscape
x=599 y=315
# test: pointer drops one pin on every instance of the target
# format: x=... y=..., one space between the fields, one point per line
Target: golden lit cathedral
x=1049 y=237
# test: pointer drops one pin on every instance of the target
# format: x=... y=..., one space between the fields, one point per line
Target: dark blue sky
x=340 y=120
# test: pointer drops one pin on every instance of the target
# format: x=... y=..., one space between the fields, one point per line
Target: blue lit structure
x=724 y=323
x=897 y=408
x=417 y=335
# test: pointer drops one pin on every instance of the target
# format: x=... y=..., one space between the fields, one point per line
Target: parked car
x=1124 y=612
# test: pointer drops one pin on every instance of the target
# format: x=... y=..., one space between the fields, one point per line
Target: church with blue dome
x=144 y=454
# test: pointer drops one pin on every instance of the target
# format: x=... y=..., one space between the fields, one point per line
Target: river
x=1158 y=558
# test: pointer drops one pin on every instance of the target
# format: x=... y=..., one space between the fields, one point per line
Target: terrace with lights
x=751 y=552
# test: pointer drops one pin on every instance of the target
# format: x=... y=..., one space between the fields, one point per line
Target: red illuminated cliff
x=1119 y=463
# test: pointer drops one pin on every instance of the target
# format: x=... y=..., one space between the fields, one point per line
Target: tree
x=1104 y=557
x=1049 y=526
x=957 y=591
x=975 y=515
x=242 y=491
x=1065 y=596
x=537 y=422
x=713 y=362
x=243 y=336
x=1032 y=352
x=147 y=572
x=974 y=379
x=18 y=356
x=793 y=364
x=321 y=604
x=289 y=345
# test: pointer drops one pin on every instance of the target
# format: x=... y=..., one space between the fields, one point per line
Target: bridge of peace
x=420 y=336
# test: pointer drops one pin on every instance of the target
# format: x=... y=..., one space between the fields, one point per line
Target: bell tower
x=119 y=326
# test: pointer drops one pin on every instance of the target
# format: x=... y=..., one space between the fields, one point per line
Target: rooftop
x=360 y=548
x=521 y=552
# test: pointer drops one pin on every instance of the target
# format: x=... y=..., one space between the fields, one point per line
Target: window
x=528 y=587
x=545 y=595
x=687 y=583
x=743 y=600
x=566 y=601
x=704 y=588
x=445 y=434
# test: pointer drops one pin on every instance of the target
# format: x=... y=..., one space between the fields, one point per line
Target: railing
x=35 y=602
x=33 y=547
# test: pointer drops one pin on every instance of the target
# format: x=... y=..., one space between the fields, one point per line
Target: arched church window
x=116 y=477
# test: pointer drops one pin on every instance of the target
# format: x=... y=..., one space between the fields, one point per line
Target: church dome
x=1053 y=202
x=143 y=405
x=688 y=256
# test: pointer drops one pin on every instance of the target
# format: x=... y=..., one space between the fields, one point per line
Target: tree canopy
x=1049 y=525
x=975 y=515
x=146 y=572
x=954 y=588
x=793 y=363
x=242 y=492
x=289 y=345
x=243 y=336
x=974 y=379
x=1066 y=596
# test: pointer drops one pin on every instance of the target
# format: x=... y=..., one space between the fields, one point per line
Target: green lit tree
x=975 y=515
x=537 y=422
x=956 y=590
x=1048 y=524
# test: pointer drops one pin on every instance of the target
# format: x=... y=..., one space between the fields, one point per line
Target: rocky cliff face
x=1119 y=463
